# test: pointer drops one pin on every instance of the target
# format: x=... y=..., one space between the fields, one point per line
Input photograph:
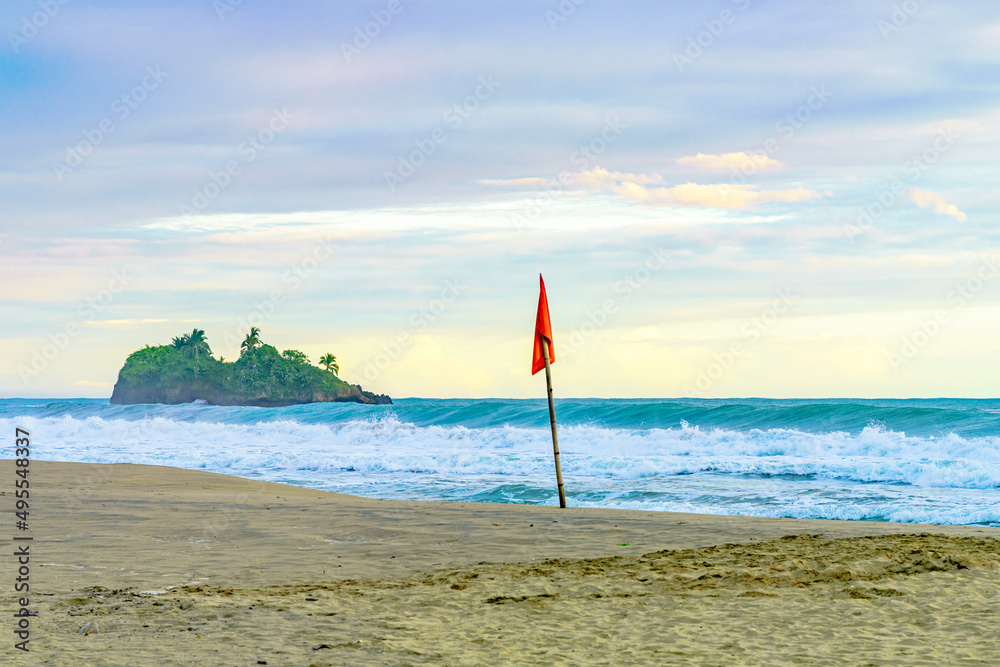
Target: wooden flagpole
x=552 y=418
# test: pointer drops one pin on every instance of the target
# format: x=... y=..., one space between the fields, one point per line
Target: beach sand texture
x=174 y=567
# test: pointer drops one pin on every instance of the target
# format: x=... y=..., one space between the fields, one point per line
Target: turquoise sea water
x=935 y=460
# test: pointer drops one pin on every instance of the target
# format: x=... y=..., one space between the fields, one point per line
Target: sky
x=726 y=199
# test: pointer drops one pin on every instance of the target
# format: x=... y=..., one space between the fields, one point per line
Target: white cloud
x=602 y=179
x=530 y=182
x=729 y=161
x=712 y=195
x=927 y=199
x=88 y=383
x=640 y=187
x=725 y=195
x=127 y=323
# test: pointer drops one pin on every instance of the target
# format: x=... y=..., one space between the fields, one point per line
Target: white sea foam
x=948 y=479
x=386 y=445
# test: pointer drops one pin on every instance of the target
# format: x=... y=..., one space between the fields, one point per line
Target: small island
x=186 y=372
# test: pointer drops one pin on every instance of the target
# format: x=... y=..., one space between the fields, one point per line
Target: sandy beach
x=174 y=567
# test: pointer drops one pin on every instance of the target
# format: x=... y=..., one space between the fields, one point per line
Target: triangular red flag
x=543 y=329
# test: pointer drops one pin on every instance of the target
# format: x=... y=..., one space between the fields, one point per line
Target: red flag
x=543 y=329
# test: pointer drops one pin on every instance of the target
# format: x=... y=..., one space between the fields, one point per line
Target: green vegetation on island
x=185 y=371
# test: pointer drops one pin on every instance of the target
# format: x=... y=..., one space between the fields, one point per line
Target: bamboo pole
x=552 y=419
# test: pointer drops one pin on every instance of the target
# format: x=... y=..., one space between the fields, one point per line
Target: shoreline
x=125 y=529
x=923 y=462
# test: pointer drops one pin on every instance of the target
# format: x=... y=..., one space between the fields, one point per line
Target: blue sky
x=672 y=168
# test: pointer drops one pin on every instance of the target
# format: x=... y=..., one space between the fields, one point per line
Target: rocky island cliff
x=186 y=371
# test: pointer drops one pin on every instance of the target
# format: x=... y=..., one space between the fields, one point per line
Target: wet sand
x=175 y=567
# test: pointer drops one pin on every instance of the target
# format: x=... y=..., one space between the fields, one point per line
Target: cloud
x=640 y=187
x=88 y=383
x=724 y=195
x=927 y=199
x=602 y=179
x=126 y=323
x=713 y=195
x=729 y=161
x=530 y=182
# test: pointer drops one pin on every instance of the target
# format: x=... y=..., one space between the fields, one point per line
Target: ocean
x=927 y=461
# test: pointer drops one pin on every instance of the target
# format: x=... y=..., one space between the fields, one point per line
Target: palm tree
x=330 y=362
x=252 y=340
x=193 y=344
x=197 y=343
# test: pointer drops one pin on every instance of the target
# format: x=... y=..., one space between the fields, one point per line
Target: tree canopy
x=252 y=341
x=295 y=356
x=330 y=363
x=185 y=370
x=194 y=344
